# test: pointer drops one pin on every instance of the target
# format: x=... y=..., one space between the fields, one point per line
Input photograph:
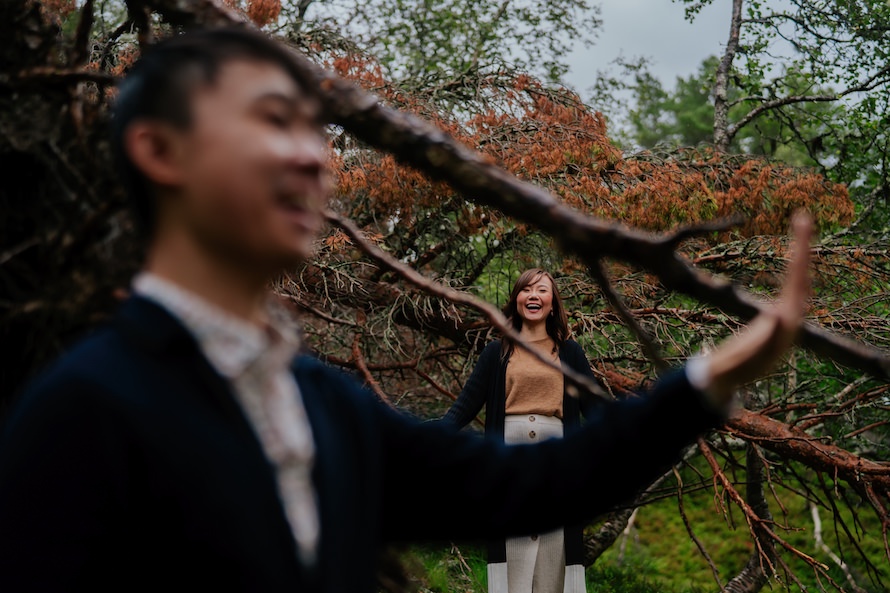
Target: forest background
x=461 y=159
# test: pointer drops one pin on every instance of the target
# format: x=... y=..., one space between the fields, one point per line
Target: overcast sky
x=654 y=29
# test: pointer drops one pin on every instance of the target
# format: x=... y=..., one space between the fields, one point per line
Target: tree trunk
x=753 y=577
x=722 y=134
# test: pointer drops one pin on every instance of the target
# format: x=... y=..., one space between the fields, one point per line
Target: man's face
x=254 y=177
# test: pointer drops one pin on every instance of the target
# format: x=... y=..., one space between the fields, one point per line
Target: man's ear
x=155 y=149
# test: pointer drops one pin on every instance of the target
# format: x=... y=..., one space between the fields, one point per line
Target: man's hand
x=757 y=348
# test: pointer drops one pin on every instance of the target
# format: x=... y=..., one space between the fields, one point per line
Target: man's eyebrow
x=296 y=103
x=290 y=99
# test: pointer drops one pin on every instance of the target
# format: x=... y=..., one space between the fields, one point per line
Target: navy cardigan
x=129 y=466
x=486 y=386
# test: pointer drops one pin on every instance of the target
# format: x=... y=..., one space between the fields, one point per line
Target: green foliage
x=809 y=85
x=429 y=39
x=682 y=117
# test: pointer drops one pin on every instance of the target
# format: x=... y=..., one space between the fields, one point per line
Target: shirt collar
x=230 y=343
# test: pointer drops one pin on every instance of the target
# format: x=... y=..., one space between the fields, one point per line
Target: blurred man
x=185 y=445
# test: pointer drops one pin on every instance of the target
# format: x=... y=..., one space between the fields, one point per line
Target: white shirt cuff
x=698 y=373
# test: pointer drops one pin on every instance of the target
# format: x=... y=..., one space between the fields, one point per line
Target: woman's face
x=535 y=301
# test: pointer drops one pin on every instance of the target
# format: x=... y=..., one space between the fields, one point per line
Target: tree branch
x=754 y=522
x=614 y=299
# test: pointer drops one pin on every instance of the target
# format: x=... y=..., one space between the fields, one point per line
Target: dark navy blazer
x=129 y=466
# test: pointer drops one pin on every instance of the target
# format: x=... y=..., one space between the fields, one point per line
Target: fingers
x=796 y=289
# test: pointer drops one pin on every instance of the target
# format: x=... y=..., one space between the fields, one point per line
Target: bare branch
x=81 y=51
x=817 y=537
x=754 y=522
x=646 y=342
x=701 y=548
x=50 y=75
x=359 y=360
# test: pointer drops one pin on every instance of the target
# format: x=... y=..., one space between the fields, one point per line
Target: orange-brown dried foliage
x=263 y=12
x=59 y=9
x=551 y=138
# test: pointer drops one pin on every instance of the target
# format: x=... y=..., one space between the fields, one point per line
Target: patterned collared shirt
x=256 y=363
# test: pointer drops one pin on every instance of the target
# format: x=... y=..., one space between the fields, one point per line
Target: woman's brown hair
x=557 y=323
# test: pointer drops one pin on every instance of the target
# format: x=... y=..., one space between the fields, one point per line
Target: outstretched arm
x=473 y=396
x=758 y=347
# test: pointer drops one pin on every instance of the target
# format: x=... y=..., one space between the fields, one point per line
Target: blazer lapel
x=152 y=329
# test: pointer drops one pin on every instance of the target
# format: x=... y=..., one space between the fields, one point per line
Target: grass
x=660 y=556
x=663 y=551
x=463 y=570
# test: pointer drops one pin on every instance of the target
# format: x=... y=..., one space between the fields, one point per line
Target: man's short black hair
x=160 y=86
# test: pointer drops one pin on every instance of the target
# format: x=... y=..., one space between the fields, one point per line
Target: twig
x=81 y=51
x=362 y=367
x=617 y=303
x=62 y=76
x=859 y=431
x=314 y=311
x=13 y=251
x=688 y=526
x=820 y=543
x=750 y=516
x=686 y=232
x=109 y=41
x=426 y=377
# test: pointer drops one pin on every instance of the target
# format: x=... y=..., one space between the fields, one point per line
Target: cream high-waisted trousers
x=536 y=563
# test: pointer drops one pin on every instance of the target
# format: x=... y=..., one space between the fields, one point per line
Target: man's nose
x=308 y=154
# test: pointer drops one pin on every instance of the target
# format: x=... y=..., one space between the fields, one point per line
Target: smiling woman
x=526 y=402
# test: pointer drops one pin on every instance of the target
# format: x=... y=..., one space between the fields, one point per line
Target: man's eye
x=276 y=119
